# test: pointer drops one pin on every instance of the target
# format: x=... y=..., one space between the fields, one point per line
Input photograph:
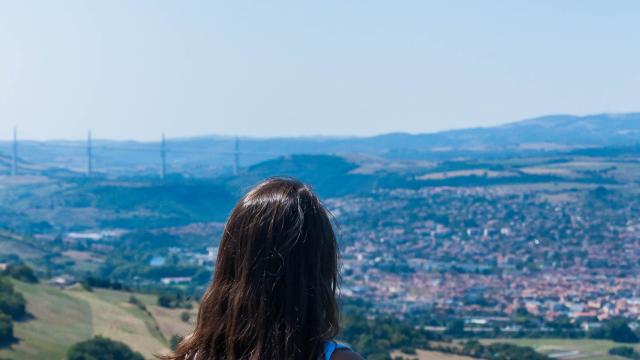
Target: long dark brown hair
x=273 y=295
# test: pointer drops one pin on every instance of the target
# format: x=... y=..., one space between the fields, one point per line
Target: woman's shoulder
x=337 y=351
x=346 y=354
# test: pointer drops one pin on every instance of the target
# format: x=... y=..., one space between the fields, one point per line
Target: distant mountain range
x=214 y=155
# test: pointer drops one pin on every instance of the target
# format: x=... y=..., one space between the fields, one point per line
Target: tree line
x=13 y=305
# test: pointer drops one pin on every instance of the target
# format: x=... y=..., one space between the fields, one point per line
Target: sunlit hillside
x=60 y=318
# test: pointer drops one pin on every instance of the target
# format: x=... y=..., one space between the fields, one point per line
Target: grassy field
x=52 y=310
x=585 y=349
x=60 y=318
x=429 y=355
x=166 y=320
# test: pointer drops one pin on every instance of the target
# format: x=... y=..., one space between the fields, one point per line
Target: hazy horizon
x=97 y=137
x=133 y=70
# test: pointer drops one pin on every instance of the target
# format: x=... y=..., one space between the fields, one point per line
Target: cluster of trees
x=175 y=341
x=12 y=306
x=93 y=282
x=6 y=329
x=138 y=303
x=616 y=330
x=175 y=300
x=375 y=337
x=100 y=348
x=21 y=272
x=500 y=351
x=532 y=326
x=12 y=303
x=625 y=352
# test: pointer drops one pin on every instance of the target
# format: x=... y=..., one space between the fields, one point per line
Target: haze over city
x=132 y=70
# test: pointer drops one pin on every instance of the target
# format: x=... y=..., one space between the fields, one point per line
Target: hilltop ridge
x=212 y=154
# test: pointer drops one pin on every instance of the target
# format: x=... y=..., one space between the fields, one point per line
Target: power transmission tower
x=14 y=159
x=236 y=157
x=163 y=156
x=89 y=155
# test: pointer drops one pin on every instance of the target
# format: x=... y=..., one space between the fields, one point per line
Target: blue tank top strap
x=330 y=347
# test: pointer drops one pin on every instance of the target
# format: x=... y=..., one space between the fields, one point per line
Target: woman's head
x=273 y=292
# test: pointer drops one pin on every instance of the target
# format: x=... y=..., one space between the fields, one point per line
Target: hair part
x=273 y=294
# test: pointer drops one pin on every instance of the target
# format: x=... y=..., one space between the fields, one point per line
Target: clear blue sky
x=135 y=69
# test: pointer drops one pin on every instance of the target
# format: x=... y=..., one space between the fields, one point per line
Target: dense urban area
x=484 y=253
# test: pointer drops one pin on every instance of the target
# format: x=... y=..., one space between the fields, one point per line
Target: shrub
x=174 y=300
x=11 y=303
x=185 y=316
x=625 y=351
x=455 y=328
x=165 y=300
x=23 y=273
x=100 y=348
x=619 y=331
x=135 y=301
x=175 y=341
x=6 y=329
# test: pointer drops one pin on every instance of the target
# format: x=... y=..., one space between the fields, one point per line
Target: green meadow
x=60 y=318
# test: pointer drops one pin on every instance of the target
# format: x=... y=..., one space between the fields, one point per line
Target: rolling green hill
x=60 y=318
